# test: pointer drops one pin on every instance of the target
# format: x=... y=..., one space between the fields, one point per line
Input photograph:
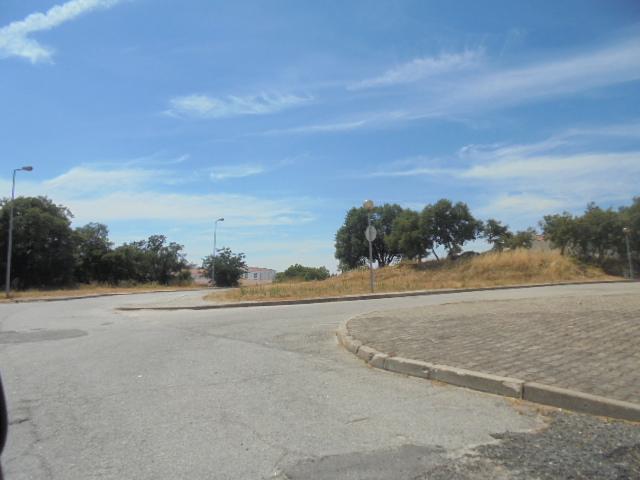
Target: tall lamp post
x=370 y=235
x=213 y=263
x=7 y=281
x=627 y=232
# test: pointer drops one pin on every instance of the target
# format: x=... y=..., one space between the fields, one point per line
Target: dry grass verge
x=518 y=267
x=89 y=290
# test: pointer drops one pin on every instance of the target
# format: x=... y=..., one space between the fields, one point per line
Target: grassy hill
x=519 y=267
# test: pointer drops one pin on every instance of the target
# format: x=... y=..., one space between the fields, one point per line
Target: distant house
x=255 y=275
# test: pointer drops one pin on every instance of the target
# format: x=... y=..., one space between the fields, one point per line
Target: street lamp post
x=7 y=281
x=213 y=263
x=370 y=234
x=627 y=231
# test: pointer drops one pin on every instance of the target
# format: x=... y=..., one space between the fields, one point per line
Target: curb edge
x=368 y=296
x=504 y=386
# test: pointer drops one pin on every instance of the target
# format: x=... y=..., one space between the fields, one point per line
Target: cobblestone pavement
x=587 y=343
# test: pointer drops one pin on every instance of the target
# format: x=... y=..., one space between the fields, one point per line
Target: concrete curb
x=95 y=295
x=484 y=382
x=368 y=296
x=581 y=402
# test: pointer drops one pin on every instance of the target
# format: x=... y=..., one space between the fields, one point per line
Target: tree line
x=47 y=251
x=403 y=233
x=597 y=236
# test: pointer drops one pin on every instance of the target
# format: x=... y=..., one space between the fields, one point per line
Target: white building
x=255 y=275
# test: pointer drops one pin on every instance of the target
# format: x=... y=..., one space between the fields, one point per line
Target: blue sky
x=157 y=116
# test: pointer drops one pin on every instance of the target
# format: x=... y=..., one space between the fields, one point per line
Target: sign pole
x=370 y=235
x=370 y=254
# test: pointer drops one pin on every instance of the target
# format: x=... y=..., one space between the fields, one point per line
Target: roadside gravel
x=573 y=446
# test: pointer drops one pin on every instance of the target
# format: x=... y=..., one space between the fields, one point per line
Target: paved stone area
x=586 y=343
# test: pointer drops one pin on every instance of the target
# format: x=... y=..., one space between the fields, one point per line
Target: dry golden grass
x=519 y=267
x=88 y=290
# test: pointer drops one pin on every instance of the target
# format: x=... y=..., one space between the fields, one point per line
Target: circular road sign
x=370 y=233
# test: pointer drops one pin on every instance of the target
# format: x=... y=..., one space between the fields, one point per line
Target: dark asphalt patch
x=403 y=463
x=572 y=447
x=13 y=337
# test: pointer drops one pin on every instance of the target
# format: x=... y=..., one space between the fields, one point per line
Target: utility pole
x=213 y=263
x=7 y=281
x=627 y=232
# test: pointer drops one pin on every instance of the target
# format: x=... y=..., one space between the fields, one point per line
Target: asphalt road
x=264 y=392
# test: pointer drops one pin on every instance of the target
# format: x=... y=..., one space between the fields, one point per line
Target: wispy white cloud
x=523 y=163
x=421 y=68
x=629 y=130
x=238 y=210
x=539 y=167
x=205 y=106
x=474 y=91
x=15 y=37
x=225 y=172
x=235 y=171
x=369 y=120
x=492 y=152
x=523 y=204
x=571 y=138
x=412 y=167
x=84 y=180
x=557 y=181
x=320 y=127
x=604 y=66
x=137 y=195
x=565 y=171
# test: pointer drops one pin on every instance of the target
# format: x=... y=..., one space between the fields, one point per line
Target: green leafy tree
x=600 y=234
x=91 y=245
x=352 y=248
x=593 y=237
x=229 y=267
x=164 y=260
x=127 y=263
x=43 y=244
x=449 y=226
x=299 y=272
x=521 y=239
x=597 y=236
x=497 y=234
x=151 y=260
x=406 y=238
x=560 y=230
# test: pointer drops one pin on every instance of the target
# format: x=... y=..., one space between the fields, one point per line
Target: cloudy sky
x=157 y=116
